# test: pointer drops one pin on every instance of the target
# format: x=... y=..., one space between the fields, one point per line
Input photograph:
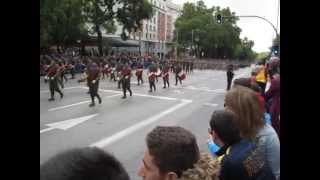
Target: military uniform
x=53 y=80
x=94 y=73
x=119 y=75
x=165 y=76
x=126 y=75
x=177 y=72
x=139 y=72
x=152 y=78
x=230 y=75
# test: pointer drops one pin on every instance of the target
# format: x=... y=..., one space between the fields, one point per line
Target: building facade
x=157 y=32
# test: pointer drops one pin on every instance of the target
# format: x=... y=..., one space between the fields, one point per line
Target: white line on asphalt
x=138 y=94
x=210 y=104
x=47 y=129
x=117 y=136
x=75 y=104
x=74 y=87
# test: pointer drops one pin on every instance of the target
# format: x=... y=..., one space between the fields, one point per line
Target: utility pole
x=192 y=42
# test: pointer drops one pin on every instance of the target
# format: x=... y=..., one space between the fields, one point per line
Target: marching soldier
x=119 y=69
x=52 y=76
x=94 y=74
x=165 y=75
x=178 y=70
x=126 y=75
x=152 y=78
x=139 y=72
x=113 y=72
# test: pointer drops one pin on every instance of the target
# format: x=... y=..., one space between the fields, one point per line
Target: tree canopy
x=215 y=40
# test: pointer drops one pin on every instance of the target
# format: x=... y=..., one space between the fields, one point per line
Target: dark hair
x=173 y=149
x=223 y=123
x=83 y=164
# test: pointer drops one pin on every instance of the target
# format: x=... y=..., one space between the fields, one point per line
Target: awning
x=112 y=41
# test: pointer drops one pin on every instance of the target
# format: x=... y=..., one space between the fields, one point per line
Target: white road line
x=74 y=87
x=79 y=103
x=138 y=94
x=210 y=104
x=47 y=129
x=119 y=135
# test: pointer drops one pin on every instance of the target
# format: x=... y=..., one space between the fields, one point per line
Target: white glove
x=94 y=81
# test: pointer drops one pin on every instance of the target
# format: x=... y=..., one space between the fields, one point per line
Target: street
x=120 y=125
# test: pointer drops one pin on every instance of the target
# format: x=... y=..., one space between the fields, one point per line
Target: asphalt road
x=120 y=125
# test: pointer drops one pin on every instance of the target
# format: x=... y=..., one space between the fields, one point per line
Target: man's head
x=169 y=152
x=83 y=164
x=223 y=128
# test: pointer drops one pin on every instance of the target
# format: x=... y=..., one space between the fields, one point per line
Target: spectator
x=172 y=153
x=244 y=102
x=83 y=164
x=274 y=94
x=246 y=82
x=240 y=157
x=261 y=78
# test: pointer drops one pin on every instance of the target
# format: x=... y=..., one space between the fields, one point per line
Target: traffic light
x=275 y=50
x=219 y=18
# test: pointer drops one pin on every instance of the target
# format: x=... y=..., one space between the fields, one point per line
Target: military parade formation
x=115 y=69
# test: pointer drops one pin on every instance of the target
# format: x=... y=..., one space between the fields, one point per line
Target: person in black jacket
x=240 y=158
x=230 y=75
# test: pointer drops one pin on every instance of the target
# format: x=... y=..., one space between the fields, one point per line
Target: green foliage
x=215 y=40
x=61 y=22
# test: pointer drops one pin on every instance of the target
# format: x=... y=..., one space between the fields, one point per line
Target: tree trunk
x=99 y=40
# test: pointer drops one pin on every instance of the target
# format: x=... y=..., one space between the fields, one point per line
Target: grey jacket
x=268 y=139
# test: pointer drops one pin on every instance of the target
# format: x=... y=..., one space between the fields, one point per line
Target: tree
x=103 y=13
x=61 y=23
x=216 y=40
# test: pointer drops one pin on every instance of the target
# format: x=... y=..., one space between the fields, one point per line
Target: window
x=154 y=20
x=146 y=26
x=154 y=28
x=150 y=28
x=150 y=36
x=146 y=35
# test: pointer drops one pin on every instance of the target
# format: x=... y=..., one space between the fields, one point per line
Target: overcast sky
x=255 y=29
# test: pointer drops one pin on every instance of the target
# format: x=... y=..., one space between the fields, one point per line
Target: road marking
x=74 y=87
x=79 y=103
x=138 y=94
x=67 y=124
x=119 y=135
x=210 y=104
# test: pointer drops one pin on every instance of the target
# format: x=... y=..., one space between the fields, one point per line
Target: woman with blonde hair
x=245 y=104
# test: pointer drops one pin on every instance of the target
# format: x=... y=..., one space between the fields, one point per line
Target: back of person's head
x=245 y=104
x=223 y=123
x=247 y=82
x=174 y=149
x=83 y=164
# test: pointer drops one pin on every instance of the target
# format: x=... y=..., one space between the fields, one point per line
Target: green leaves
x=216 y=40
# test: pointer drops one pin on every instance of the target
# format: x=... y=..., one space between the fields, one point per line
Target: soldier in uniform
x=126 y=75
x=53 y=80
x=113 y=72
x=139 y=72
x=119 y=69
x=230 y=75
x=94 y=74
x=177 y=71
x=152 y=78
x=165 y=75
